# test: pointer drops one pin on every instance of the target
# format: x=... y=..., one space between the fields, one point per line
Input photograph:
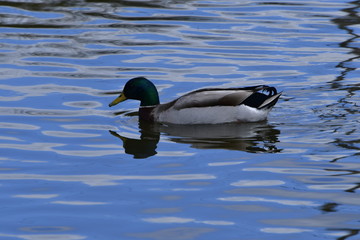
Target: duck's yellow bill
x=119 y=99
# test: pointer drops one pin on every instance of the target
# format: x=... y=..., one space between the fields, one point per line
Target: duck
x=203 y=106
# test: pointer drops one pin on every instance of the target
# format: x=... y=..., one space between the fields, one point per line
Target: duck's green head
x=141 y=89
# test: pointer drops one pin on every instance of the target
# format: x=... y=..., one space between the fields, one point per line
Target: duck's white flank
x=212 y=115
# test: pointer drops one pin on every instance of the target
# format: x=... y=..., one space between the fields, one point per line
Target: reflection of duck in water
x=140 y=148
x=249 y=137
x=204 y=106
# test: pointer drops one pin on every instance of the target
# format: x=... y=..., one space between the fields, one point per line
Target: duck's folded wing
x=211 y=97
x=250 y=96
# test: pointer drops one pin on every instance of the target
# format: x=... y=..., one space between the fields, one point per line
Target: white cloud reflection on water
x=169 y=220
x=44 y=236
x=278 y=201
x=105 y=180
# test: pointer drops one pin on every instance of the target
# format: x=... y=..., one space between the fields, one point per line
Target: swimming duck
x=203 y=106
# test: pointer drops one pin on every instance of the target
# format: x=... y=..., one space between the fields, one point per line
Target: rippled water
x=71 y=168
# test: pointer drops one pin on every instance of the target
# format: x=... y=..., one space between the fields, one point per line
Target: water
x=71 y=168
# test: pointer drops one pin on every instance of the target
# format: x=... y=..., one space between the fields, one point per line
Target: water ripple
x=293 y=177
x=105 y=180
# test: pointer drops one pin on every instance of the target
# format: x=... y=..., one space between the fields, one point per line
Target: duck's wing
x=211 y=97
x=251 y=96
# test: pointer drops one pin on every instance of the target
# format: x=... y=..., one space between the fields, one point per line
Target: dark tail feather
x=259 y=99
x=270 y=102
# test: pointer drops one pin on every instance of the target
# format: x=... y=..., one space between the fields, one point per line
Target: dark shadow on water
x=50 y=5
x=345 y=23
x=79 y=12
x=346 y=109
x=349 y=232
x=248 y=137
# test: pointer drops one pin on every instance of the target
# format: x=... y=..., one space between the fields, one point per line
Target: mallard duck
x=203 y=106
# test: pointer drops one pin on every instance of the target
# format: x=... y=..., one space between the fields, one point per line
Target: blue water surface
x=71 y=168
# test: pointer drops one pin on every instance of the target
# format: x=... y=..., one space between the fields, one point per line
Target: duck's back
x=209 y=97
